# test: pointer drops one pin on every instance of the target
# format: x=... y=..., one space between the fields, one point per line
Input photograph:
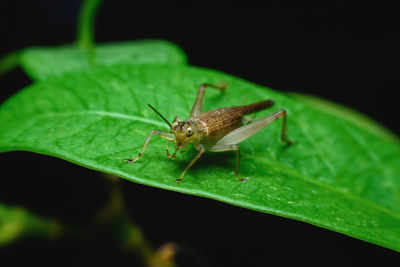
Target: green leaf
x=338 y=176
x=43 y=62
x=347 y=114
x=8 y=62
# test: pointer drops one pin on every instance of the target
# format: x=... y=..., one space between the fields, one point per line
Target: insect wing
x=242 y=133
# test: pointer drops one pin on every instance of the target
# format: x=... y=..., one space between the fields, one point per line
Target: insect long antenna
x=159 y=114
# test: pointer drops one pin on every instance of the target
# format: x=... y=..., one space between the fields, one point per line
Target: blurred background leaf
x=17 y=222
x=43 y=62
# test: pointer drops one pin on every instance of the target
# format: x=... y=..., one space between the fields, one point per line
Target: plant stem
x=85 y=31
x=113 y=224
x=129 y=235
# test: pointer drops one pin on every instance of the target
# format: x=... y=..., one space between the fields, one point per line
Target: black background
x=349 y=57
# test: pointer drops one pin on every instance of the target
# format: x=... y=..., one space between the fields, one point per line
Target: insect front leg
x=183 y=150
x=176 y=150
x=201 y=150
x=166 y=135
x=166 y=148
x=222 y=148
x=198 y=103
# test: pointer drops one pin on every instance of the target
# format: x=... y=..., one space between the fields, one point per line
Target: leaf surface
x=338 y=176
x=347 y=114
x=44 y=62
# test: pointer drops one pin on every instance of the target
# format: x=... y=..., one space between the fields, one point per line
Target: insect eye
x=189 y=131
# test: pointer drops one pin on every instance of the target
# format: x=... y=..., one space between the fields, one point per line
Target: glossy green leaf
x=44 y=62
x=347 y=114
x=338 y=176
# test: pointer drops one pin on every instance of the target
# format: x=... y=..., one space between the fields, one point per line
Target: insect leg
x=201 y=151
x=183 y=150
x=198 y=103
x=176 y=150
x=166 y=135
x=284 y=129
x=222 y=148
x=166 y=148
x=242 y=133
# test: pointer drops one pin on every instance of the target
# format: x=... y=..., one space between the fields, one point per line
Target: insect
x=217 y=130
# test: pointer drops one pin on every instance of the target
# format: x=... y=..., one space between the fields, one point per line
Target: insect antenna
x=159 y=114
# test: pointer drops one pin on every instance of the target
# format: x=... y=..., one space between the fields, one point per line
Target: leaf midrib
x=100 y=113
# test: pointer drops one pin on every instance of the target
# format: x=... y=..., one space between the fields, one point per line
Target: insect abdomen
x=252 y=108
x=218 y=126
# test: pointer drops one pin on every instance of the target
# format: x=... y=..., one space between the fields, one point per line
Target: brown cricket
x=217 y=130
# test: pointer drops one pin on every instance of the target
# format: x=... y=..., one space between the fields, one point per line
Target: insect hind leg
x=198 y=103
x=284 y=127
x=222 y=148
